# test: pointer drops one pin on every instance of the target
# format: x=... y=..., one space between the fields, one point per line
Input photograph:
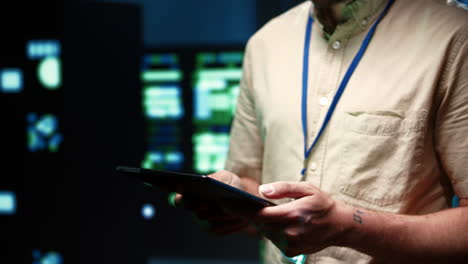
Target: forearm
x=435 y=238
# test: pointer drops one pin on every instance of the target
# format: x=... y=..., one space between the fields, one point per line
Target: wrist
x=344 y=228
x=369 y=232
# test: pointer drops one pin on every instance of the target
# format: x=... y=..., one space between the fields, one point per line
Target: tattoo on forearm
x=357 y=216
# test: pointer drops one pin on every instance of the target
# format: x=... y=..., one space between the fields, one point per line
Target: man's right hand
x=221 y=221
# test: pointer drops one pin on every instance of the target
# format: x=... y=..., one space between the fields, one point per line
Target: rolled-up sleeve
x=451 y=130
x=246 y=146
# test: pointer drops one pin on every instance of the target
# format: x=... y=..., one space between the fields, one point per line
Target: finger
x=225 y=177
x=279 y=190
x=292 y=212
x=175 y=199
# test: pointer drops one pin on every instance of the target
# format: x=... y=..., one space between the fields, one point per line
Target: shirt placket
x=323 y=86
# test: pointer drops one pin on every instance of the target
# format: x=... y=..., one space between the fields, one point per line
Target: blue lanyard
x=302 y=259
x=344 y=82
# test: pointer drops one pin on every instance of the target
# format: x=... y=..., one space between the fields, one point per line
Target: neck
x=330 y=15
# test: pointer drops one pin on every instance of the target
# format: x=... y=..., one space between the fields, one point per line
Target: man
x=378 y=183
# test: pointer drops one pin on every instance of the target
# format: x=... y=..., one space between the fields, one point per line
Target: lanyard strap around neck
x=344 y=82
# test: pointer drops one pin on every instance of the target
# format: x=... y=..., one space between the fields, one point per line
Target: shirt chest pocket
x=381 y=152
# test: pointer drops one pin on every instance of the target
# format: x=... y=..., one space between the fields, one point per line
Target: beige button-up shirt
x=398 y=139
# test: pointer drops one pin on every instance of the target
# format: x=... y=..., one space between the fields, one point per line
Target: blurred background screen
x=88 y=85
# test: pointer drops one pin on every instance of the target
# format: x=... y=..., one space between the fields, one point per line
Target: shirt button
x=336 y=45
x=313 y=166
x=364 y=22
x=323 y=101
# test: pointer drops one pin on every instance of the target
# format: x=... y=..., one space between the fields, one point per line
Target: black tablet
x=200 y=187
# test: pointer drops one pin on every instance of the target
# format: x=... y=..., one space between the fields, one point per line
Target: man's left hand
x=307 y=224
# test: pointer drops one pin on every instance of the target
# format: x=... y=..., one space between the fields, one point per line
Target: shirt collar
x=359 y=14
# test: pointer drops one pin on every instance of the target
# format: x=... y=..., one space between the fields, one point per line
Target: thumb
x=279 y=190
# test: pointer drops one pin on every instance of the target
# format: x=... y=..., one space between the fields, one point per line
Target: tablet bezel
x=197 y=185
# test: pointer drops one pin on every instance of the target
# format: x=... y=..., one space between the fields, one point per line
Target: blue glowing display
x=162 y=93
x=210 y=151
x=148 y=211
x=38 y=49
x=164 y=159
x=7 y=203
x=51 y=257
x=216 y=87
x=43 y=133
x=162 y=78
x=49 y=70
x=49 y=73
x=163 y=102
x=11 y=80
